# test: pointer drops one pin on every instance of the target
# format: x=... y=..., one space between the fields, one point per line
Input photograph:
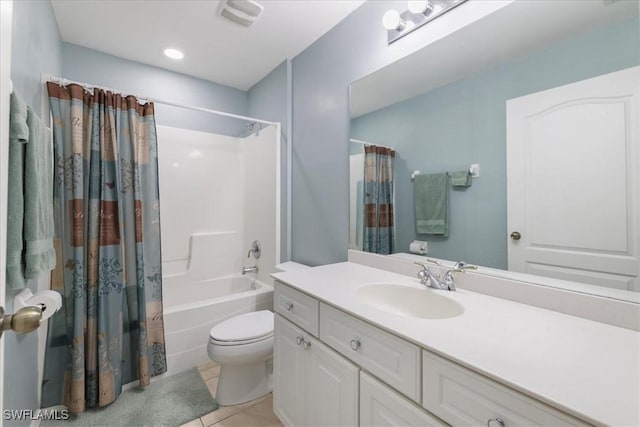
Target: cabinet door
x=332 y=391
x=382 y=406
x=289 y=374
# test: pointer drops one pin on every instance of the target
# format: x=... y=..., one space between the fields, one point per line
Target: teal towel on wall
x=40 y=256
x=18 y=136
x=30 y=196
x=461 y=179
x=431 y=201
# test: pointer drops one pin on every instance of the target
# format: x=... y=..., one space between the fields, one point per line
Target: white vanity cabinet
x=313 y=385
x=381 y=406
x=354 y=373
x=463 y=397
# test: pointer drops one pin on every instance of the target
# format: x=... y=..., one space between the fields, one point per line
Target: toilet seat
x=245 y=328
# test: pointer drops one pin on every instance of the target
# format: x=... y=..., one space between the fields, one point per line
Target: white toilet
x=243 y=346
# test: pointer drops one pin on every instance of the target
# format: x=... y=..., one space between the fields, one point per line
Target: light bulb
x=420 y=6
x=392 y=21
x=174 y=53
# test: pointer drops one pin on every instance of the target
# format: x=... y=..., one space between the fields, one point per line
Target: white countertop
x=585 y=368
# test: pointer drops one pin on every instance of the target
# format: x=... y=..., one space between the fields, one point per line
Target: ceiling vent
x=243 y=12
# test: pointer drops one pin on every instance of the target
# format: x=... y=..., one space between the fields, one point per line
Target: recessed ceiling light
x=174 y=53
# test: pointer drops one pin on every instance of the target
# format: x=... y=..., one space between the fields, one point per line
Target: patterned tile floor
x=256 y=413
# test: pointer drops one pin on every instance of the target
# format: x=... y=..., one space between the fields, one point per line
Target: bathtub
x=192 y=309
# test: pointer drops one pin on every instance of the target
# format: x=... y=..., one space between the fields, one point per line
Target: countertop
x=588 y=369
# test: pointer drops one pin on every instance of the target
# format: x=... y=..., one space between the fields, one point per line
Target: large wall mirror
x=542 y=98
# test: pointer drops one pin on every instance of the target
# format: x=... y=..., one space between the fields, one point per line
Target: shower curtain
x=379 y=236
x=106 y=202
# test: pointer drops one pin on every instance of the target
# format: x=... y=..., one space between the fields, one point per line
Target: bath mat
x=170 y=401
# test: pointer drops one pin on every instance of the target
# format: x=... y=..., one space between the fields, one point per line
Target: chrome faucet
x=429 y=279
x=253 y=269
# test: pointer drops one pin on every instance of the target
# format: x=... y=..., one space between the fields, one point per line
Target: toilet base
x=242 y=383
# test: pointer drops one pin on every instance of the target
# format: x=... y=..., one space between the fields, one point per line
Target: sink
x=408 y=301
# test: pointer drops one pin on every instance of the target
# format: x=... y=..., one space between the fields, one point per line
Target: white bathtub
x=192 y=309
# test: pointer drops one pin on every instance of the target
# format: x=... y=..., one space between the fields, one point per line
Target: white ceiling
x=514 y=30
x=215 y=49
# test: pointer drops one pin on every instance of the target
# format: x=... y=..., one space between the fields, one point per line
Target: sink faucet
x=429 y=279
x=253 y=269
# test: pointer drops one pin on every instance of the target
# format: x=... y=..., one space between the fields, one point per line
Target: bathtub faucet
x=253 y=269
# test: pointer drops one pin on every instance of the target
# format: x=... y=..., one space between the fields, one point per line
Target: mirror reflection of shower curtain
x=379 y=232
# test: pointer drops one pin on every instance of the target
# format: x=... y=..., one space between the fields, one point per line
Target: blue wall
x=36 y=48
x=322 y=73
x=464 y=122
x=268 y=100
x=90 y=66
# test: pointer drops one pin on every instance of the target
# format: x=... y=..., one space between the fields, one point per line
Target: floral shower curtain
x=106 y=202
x=379 y=235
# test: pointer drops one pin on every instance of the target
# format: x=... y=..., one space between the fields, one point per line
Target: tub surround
x=584 y=368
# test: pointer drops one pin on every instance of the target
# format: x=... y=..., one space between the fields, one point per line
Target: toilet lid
x=248 y=326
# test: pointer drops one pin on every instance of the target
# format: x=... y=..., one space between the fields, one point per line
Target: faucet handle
x=462 y=266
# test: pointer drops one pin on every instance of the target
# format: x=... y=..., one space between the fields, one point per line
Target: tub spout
x=253 y=269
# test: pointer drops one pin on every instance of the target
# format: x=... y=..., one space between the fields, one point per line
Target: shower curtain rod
x=63 y=81
x=357 y=141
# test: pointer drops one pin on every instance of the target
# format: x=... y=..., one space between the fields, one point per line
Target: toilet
x=243 y=346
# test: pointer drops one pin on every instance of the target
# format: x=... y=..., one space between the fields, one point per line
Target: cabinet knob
x=299 y=340
x=495 y=422
x=289 y=306
x=306 y=344
x=355 y=344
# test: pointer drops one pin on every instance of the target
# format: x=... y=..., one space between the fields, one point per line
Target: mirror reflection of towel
x=461 y=179
x=431 y=201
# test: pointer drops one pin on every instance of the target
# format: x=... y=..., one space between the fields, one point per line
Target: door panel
x=332 y=398
x=289 y=373
x=572 y=181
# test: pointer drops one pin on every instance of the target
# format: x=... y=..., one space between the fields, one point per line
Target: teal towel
x=461 y=179
x=18 y=135
x=40 y=256
x=431 y=200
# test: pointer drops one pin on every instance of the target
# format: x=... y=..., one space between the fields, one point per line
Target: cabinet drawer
x=393 y=360
x=462 y=397
x=382 y=406
x=299 y=308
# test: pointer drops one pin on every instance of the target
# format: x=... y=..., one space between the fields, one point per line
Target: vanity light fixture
x=392 y=20
x=419 y=13
x=173 y=53
x=423 y=7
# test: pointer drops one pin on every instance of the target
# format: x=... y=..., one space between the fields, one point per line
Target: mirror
x=464 y=99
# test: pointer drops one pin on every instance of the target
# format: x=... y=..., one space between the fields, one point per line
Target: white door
x=6 y=15
x=332 y=388
x=289 y=384
x=572 y=181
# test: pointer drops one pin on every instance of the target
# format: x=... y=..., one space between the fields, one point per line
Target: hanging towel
x=40 y=256
x=18 y=135
x=431 y=200
x=461 y=179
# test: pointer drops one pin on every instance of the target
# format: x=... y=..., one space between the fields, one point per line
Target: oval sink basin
x=409 y=302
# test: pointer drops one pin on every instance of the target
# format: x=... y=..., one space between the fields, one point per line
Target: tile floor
x=258 y=413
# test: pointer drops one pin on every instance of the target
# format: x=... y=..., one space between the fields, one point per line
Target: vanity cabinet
x=381 y=406
x=355 y=373
x=392 y=359
x=462 y=397
x=313 y=385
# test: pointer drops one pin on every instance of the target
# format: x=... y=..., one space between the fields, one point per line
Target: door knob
x=516 y=235
x=27 y=319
